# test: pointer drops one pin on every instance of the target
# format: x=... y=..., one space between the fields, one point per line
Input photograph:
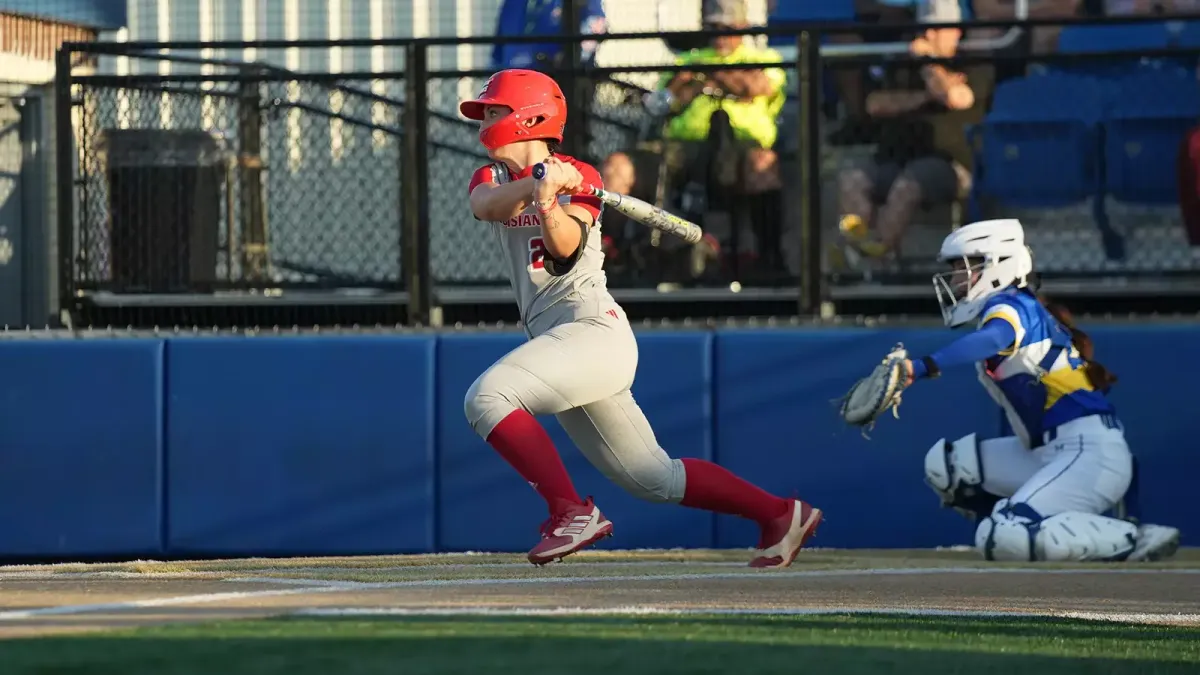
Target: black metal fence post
x=250 y=169
x=808 y=69
x=64 y=140
x=414 y=192
x=579 y=87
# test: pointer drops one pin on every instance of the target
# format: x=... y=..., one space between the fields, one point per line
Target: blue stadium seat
x=1148 y=115
x=797 y=11
x=1039 y=145
x=1113 y=37
x=1109 y=38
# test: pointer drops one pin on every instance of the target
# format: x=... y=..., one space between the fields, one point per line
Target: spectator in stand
x=749 y=101
x=619 y=175
x=851 y=84
x=725 y=125
x=630 y=257
x=544 y=17
x=922 y=157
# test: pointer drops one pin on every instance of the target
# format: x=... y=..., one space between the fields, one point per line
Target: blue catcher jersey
x=1040 y=382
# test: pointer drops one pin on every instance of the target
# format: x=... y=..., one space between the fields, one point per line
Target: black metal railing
x=233 y=182
x=248 y=180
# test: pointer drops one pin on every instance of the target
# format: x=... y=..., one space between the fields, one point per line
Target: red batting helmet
x=539 y=110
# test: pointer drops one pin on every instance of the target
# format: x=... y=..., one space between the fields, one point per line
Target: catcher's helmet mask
x=995 y=253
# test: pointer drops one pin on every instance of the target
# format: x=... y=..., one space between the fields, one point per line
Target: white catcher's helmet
x=994 y=256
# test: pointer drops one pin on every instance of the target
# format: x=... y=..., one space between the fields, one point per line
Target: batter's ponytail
x=1101 y=378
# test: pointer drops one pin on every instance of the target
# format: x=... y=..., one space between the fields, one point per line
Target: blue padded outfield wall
x=233 y=446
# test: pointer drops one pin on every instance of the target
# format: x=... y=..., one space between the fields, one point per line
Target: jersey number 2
x=537 y=251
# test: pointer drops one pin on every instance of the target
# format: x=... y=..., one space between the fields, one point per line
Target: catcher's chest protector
x=1041 y=384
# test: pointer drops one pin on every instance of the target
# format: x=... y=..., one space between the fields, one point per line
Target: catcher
x=1041 y=494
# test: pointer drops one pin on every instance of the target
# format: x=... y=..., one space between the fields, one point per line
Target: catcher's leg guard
x=955 y=473
x=1015 y=532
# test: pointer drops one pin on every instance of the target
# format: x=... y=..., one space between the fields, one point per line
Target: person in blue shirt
x=542 y=17
x=1040 y=494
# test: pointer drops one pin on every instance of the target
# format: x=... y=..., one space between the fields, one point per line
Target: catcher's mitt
x=871 y=396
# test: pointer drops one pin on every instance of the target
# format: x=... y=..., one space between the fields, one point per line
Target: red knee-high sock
x=524 y=444
x=715 y=488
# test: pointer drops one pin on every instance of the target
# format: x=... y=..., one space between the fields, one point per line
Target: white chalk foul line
x=312 y=586
x=99 y=576
x=126 y=605
x=644 y=610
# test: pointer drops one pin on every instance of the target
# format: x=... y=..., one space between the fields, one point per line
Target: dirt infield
x=65 y=598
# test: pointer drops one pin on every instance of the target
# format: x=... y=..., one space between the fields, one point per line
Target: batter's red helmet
x=539 y=109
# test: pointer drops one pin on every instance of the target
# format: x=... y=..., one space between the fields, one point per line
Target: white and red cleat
x=572 y=528
x=783 y=537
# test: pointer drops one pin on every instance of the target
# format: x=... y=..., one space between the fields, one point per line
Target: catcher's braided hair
x=1102 y=378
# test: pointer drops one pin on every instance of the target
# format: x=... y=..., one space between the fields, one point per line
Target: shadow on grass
x=608 y=646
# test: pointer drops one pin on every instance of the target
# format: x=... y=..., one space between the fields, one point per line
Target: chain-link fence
x=238 y=179
x=838 y=173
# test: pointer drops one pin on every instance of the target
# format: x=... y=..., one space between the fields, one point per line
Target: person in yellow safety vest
x=747 y=101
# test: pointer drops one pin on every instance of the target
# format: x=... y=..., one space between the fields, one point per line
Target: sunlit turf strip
x=840 y=644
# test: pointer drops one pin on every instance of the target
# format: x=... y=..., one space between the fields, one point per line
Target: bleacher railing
x=242 y=193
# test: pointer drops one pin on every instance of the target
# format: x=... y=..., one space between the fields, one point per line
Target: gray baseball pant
x=580 y=369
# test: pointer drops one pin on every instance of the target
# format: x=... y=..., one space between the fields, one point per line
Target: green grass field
x=634 y=645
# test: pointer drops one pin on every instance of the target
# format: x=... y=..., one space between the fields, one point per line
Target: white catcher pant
x=1087 y=468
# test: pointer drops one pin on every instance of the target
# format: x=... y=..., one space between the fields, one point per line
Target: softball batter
x=581 y=356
